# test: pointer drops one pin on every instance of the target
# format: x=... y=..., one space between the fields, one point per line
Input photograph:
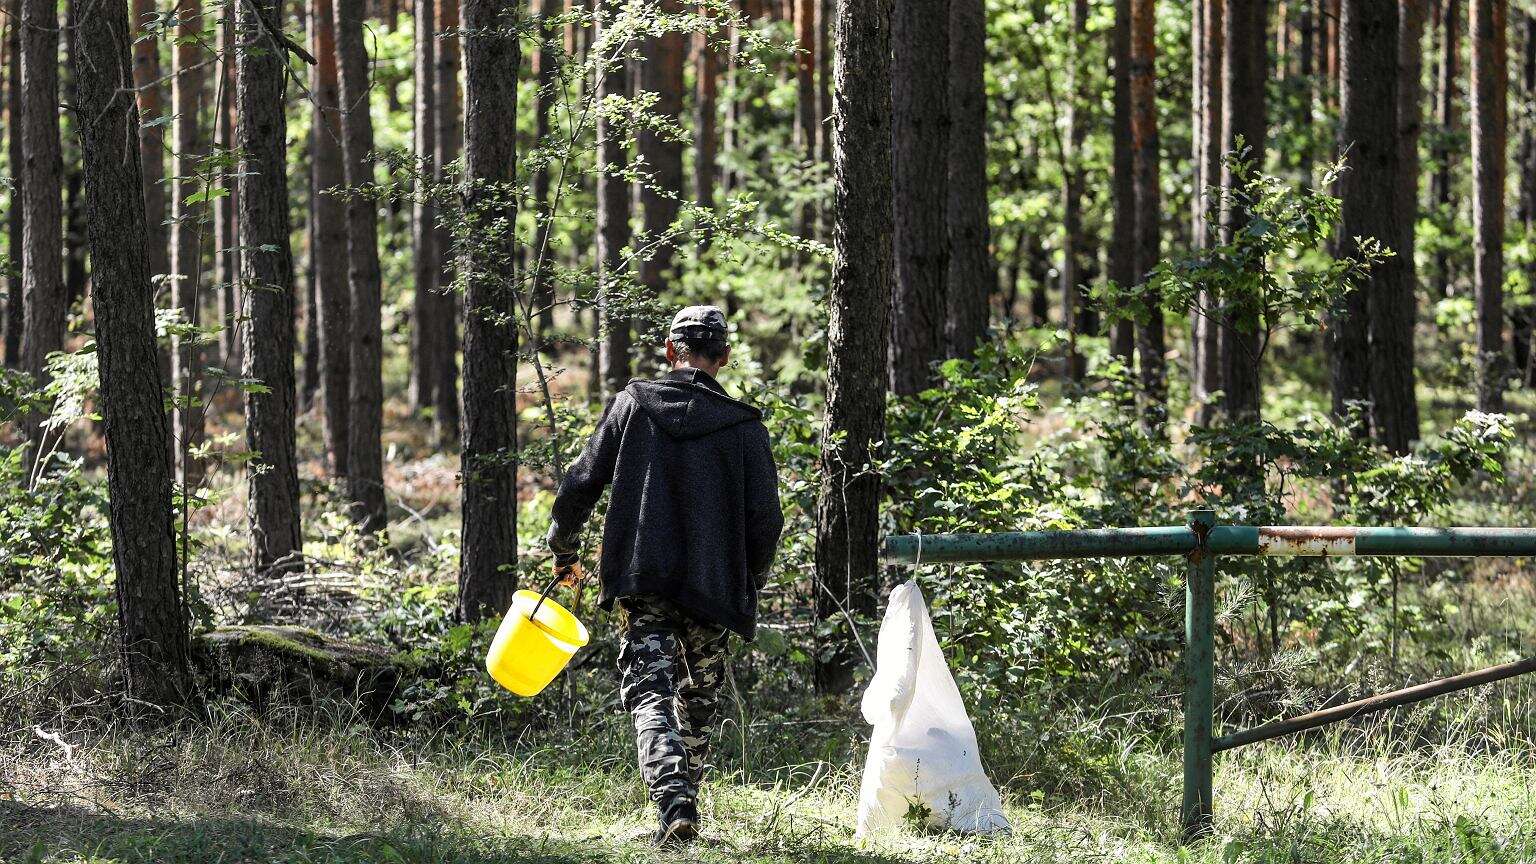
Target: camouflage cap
x=699 y=322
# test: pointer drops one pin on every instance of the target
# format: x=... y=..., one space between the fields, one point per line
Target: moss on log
x=277 y=664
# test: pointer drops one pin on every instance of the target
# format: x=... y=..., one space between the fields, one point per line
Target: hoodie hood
x=689 y=404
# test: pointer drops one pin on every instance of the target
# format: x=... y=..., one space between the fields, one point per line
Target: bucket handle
x=544 y=595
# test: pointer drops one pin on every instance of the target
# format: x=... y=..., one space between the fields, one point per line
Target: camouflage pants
x=670 y=670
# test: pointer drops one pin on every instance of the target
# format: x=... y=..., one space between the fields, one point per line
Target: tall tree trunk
x=1207 y=205
x=1445 y=118
x=706 y=167
x=443 y=323
x=489 y=487
x=847 y=509
x=152 y=622
x=42 y=170
x=540 y=255
x=1487 y=21
x=1122 y=243
x=187 y=221
x=1394 y=289
x=825 y=12
x=972 y=272
x=1150 y=346
x=806 y=125
x=1244 y=68
x=146 y=80
x=329 y=215
x=1528 y=189
x=613 y=200
x=365 y=416
x=226 y=242
x=661 y=73
x=424 y=210
x=15 y=134
x=920 y=146
x=266 y=267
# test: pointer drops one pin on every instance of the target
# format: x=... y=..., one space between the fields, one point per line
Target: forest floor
x=325 y=790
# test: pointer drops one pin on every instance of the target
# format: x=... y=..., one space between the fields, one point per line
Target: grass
x=300 y=788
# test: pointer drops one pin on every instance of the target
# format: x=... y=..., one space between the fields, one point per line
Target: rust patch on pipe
x=1291 y=540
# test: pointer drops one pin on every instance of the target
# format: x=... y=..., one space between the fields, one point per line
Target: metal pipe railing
x=1201 y=540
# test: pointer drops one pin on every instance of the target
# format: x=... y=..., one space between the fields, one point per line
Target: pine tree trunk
x=15 y=131
x=806 y=125
x=1122 y=243
x=1445 y=118
x=847 y=509
x=825 y=13
x=661 y=73
x=920 y=146
x=972 y=272
x=1487 y=21
x=42 y=171
x=443 y=323
x=1394 y=289
x=187 y=229
x=424 y=210
x=1209 y=122
x=1244 y=68
x=365 y=415
x=706 y=158
x=1528 y=190
x=266 y=267
x=146 y=78
x=226 y=241
x=541 y=257
x=328 y=213
x=1150 y=345
x=152 y=622
x=489 y=486
x=613 y=200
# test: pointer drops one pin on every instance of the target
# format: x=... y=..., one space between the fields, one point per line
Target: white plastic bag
x=923 y=766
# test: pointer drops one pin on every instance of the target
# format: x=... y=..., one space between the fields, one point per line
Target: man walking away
x=690 y=534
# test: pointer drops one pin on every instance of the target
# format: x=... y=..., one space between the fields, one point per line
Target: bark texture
x=1446 y=119
x=1244 y=69
x=266 y=268
x=1122 y=243
x=365 y=414
x=847 y=509
x=42 y=170
x=226 y=242
x=188 y=229
x=920 y=148
x=424 y=209
x=329 y=236
x=972 y=272
x=613 y=231
x=661 y=73
x=152 y=619
x=1150 y=343
x=442 y=324
x=1490 y=131
x=15 y=135
x=151 y=95
x=489 y=486
x=1209 y=152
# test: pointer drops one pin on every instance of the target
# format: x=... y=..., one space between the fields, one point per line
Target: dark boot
x=679 y=821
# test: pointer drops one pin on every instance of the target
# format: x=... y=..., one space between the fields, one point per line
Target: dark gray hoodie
x=694 y=517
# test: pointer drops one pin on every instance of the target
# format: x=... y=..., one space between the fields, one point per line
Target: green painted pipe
x=1223 y=540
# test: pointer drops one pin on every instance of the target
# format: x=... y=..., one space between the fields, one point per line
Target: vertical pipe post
x=1199 y=670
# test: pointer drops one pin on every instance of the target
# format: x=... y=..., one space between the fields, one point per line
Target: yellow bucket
x=528 y=653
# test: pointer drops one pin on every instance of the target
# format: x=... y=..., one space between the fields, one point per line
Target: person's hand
x=569 y=571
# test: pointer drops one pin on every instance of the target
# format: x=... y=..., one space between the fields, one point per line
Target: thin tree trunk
x=972 y=272
x=42 y=170
x=826 y=11
x=15 y=310
x=1122 y=243
x=1528 y=189
x=225 y=240
x=613 y=200
x=544 y=77
x=1445 y=118
x=806 y=125
x=443 y=323
x=706 y=167
x=146 y=80
x=266 y=266
x=365 y=415
x=187 y=229
x=328 y=214
x=661 y=73
x=489 y=487
x=152 y=623
x=1150 y=345
x=1208 y=323
x=847 y=509
x=1394 y=292
x=424 y=215
x=920 y=146
x=1244 y=69
x=1487 y=21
